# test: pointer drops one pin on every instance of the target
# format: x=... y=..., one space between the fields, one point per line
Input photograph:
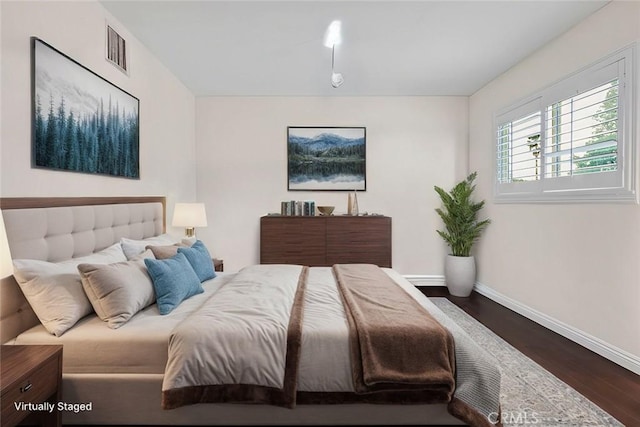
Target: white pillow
x=132 y=247
x=118 y=291
x=54 y=290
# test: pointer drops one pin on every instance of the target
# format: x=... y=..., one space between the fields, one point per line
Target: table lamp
x=190 y=216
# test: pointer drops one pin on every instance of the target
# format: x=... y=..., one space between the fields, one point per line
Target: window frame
x=611 y=186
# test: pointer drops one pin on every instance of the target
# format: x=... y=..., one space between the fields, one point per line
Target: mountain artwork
x=329 y=159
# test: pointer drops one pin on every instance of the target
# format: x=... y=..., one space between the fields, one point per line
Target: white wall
x=578 y=263
x=167 y=108
x=413 y=143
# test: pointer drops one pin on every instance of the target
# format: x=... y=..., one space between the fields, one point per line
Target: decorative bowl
x=326 y=210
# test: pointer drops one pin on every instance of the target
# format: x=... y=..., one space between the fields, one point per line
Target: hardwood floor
x=613 y=388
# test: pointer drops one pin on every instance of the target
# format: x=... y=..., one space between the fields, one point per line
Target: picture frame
x=81 y=122
x=326 y=158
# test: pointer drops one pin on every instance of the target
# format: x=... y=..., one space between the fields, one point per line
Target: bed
x=122 y=370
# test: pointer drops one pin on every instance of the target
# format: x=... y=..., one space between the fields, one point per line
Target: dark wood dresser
x=325 y=240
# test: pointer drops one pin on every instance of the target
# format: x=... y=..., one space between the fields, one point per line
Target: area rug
x=530 y=395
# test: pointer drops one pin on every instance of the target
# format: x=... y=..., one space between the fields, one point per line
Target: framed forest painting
x=326 y=158
x=80 y=121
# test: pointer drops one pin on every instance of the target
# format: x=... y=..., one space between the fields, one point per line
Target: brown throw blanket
x=396 y=345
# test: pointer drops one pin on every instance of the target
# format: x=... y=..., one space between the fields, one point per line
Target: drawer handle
x=26 y=388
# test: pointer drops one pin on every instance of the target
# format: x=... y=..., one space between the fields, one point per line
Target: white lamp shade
x=189 y=215
x=333 y=35
x=6 y=265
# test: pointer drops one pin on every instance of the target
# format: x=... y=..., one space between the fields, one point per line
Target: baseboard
x=613 y=353
x=422 y=280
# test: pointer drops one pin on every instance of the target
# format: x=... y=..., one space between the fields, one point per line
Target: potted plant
x=462 y=228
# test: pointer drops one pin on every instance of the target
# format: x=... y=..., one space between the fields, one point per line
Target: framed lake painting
x=80 y=121
x=326 y=158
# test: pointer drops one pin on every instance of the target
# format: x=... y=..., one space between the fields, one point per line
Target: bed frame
x=55 y=229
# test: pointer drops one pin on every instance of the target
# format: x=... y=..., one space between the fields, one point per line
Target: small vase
x=354 y=207
x=349 y=204
x=460 y=275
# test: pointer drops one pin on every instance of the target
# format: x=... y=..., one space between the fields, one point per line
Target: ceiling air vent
x=117 y=50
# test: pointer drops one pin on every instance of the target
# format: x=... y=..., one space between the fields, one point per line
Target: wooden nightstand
x=30 y=374
x=218 y=264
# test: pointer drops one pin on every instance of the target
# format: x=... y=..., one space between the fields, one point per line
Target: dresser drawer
x=325 y=240
x=34 y=388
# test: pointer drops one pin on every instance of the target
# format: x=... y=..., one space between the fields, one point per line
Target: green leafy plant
x=459 y=214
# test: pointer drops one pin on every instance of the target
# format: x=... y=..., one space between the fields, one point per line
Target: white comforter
x=239 y=334
x=239 y=337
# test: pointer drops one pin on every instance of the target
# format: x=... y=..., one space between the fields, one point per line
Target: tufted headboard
x=57 y=229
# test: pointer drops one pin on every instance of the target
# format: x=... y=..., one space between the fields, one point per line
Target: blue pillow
x=199 y=258
x=173 y=280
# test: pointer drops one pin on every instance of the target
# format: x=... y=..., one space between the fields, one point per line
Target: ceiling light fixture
x=333 y=37
x=336 y=78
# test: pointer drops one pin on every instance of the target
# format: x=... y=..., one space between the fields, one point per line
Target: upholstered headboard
x=57 y=229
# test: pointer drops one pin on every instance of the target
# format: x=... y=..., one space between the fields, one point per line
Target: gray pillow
x=54 y=290
x=118 y=291
x=166 y=252
x=132 y=247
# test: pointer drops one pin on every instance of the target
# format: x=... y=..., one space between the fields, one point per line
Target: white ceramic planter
x=460 y=275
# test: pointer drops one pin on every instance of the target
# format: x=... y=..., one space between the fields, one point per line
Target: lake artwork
x=80 y=121
x=326 y=158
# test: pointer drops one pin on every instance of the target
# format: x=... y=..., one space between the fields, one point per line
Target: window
x=572 y=141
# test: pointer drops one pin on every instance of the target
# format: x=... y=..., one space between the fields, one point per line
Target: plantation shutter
x=582 y=145
x=571 y=140
x=518 y=147
x=582 y=133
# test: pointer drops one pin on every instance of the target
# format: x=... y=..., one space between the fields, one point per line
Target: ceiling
x=275 y=48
